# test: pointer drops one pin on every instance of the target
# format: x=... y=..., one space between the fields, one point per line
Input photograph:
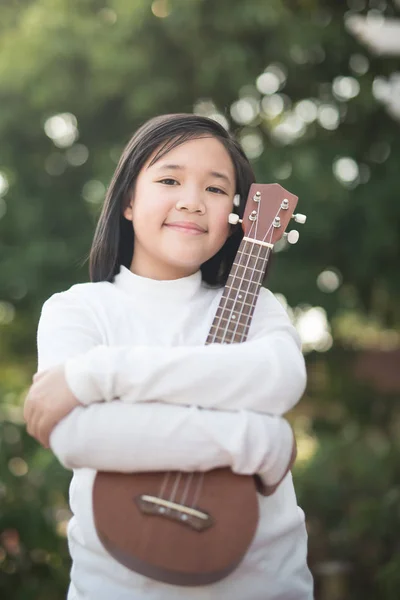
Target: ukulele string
x=198 y=489
x=254 y=269
x=238 y=295
x=201 y=477
x=189 y=480
x=260 y=276
x=164 y=484
x=227 y=298
x=186 y=489
x=175 y=487
x=246 y=293
x=269 y=250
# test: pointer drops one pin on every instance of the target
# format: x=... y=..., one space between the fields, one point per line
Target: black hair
x=113 y=242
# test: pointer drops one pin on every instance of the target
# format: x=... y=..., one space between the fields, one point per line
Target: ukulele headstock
x=269 y=209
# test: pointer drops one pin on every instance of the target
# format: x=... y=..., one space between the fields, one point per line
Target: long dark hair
x=113 y=241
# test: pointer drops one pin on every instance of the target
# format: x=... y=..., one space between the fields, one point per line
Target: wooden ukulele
x=195 y=528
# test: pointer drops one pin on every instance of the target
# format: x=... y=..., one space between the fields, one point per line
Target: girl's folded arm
x=119 y=436
x=160 y=437
x=266 y=373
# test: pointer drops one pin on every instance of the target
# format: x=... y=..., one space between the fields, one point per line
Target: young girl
x=126 y=383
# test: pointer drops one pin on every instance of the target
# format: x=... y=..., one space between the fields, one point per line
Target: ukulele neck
x=233 y=318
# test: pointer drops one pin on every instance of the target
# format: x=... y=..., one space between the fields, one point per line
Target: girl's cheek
x=223 y=223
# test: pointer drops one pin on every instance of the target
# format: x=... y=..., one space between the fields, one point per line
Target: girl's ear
x=128 y=211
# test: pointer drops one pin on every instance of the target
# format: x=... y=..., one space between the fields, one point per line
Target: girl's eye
x=216 y=190
x=168 y=181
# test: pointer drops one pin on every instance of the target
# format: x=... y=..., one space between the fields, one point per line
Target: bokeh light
x=77 y=155
x=329 y=280
x=62 y=129
x=313 y=327
x=345 y=88
x=245 y=110
x=161 y=8
x=346 y=170
x=94 y=191
x=273 y=106
x=328 y=116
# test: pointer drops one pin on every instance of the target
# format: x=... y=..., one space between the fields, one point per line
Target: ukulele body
x=164 y=549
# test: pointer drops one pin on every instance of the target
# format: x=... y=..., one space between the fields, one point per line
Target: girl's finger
x=34 y=423
x=45 y=427
x=28 y=407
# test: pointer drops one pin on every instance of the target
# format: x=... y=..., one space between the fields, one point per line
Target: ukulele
x=193 y=529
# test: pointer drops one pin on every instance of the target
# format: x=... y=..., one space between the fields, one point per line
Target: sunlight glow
x=313 y=328
x=161 y=8
x=328 y=116
x=328 y=281
x=245 y=110
x=252 y=144
x=346 y=170
x=307 y=110
x=272 y=106
x=94 y=191
x=345 y=88
x=62 y=129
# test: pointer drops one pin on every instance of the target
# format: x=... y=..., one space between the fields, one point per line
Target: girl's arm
x=156 y=436
x=160 y=437
x=266 y=373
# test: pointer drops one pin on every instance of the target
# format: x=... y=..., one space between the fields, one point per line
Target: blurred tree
x=301 y=94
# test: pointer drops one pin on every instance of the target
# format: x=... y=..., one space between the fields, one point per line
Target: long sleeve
x=266 y=373
x=160 y=437
x=126 y=437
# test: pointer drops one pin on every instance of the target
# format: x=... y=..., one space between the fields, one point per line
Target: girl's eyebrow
x=216 y=174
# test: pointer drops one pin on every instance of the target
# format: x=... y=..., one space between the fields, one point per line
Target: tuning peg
x=292 y=237
x=299 y=218
x=234 y=219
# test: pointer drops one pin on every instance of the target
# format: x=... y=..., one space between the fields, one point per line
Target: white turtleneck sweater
x=135 y=356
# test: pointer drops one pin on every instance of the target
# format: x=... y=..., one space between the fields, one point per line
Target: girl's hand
x=49 y=400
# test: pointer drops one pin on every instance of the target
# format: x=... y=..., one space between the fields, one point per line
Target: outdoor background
x=312 y=90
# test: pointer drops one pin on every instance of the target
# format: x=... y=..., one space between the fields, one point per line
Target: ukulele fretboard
x=233 y=318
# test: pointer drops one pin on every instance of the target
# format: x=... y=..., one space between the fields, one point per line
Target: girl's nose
x=192 y=203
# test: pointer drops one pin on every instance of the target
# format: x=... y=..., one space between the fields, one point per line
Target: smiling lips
x=186 y=227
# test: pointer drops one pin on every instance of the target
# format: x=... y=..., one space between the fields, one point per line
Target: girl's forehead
x=205 y=150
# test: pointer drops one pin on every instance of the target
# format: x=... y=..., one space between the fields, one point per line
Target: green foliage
x=34 y=560
x=349 y=489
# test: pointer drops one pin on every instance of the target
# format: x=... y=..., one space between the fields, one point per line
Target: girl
x=126 y=383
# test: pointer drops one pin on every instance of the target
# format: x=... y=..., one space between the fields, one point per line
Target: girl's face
x=180 y=208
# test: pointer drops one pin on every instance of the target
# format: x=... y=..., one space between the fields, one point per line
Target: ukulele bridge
x=193 y=518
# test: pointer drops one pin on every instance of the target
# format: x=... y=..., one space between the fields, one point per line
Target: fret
x=250 y=260
x=227 y=336
x=233 y=317
x=252 y=269
x=248 y=292
x=229 y=327
x=221 y=340
x=233 y=307
x=260 y=257
x=241 y=279
x=230 y=303
x=234 y=321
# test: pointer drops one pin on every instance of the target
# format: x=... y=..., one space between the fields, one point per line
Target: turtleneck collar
x=182 y=289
